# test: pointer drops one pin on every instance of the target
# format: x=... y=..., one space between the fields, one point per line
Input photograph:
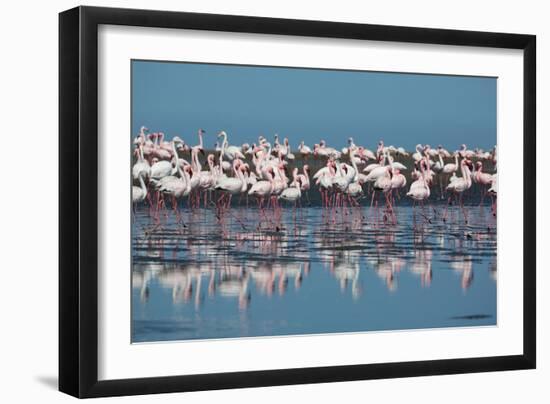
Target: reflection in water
x=313 y=271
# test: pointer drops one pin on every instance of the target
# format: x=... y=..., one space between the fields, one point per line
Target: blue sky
x=311 y=104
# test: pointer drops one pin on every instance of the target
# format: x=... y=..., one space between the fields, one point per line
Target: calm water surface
x=243 y=274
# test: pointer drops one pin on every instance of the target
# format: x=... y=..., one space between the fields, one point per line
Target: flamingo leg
x=463 y=209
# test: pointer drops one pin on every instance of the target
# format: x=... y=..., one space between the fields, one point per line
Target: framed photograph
x=251 y=201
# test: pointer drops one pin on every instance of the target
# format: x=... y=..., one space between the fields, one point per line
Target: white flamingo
x=139 y=193
x=230 y=186
x=304 y=150
x=142 y=166
x=230 y=152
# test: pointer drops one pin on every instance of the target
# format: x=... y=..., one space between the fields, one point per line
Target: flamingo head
x=244 y=168
x=479 y=165
x=222 y=133
x=271 y=171
x=315 y=149
x=306 y=168
x=468 y=163
x=322 y=143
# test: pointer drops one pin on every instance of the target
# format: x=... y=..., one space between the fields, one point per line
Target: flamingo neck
x=141 y=158
x=142 y=184
x=175 y=153
x=467 y=175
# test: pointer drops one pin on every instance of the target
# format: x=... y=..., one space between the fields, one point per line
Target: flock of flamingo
x=268 y=173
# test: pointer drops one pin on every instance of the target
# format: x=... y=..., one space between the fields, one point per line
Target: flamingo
x=142 y=166
x=161 y=150
x=262 y=189
x=289 y=154
x=231 y=152
x=304 y=181
x=419 y=190
x=418 y=154
x=207 y=179
x=398 y=180
x=293 y=193
x=139 y=193
x=451 y=168
x=383 y=184
x=232 y=185
x=484 y=179
x=322 y=150
x=164 y=168
x=323 y=178
x=461 y=184
x=401 y=151
x=465 y=153
x=177 y=188
x=304 y=150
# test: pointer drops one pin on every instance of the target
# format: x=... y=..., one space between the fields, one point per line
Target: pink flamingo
x=384 y=184
x=262 y=189
x=461 y=184
x=420 y=190
x=484 y=179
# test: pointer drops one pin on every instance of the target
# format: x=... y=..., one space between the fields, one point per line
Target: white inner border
x=119 y=359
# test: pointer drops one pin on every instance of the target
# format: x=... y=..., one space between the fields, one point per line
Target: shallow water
x=219 y=275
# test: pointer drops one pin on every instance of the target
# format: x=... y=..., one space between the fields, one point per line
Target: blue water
x=312 y=271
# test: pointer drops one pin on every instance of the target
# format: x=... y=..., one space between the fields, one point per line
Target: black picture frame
x=78 y=206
